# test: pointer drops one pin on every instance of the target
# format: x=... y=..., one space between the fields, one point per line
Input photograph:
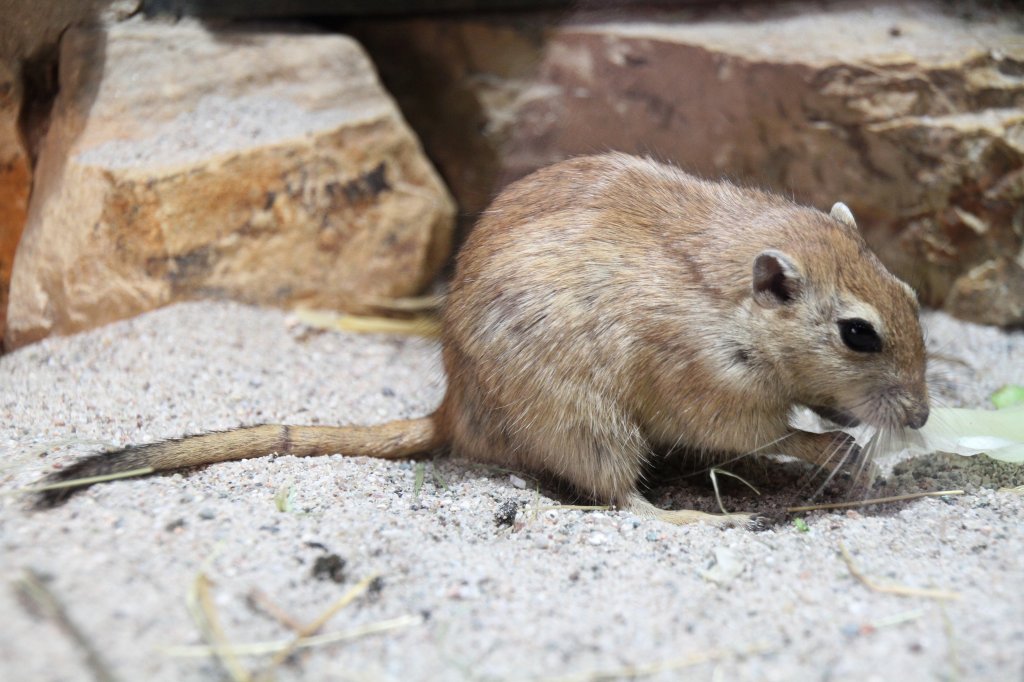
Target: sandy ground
x=556 y=594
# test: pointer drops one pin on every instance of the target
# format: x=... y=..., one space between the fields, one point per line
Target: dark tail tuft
x=101 y=464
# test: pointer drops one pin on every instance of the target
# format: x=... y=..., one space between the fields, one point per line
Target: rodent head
x=840 y=328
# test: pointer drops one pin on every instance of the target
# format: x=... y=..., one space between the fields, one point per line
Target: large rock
x=15 y=177
x=28 y=42
x=911 y=114
x=266 y=167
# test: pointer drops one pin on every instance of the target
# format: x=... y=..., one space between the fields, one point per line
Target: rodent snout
x=917 y=417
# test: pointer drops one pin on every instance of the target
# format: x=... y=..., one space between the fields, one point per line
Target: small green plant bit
x=284 y=498
x=1008 y=396
x=417 y=484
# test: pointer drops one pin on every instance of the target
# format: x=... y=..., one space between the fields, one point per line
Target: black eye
x=859 y=335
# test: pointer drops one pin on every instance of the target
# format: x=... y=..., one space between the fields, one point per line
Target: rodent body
x=610 y=307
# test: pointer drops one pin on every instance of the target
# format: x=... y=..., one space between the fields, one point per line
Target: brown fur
x=604 y=308
x=393 y=440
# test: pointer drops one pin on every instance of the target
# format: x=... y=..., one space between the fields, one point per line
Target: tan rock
x=990 y=292
x=28 y=40
x=33 y=27
x=266 y=167
x=15 y=178
x=910 y=113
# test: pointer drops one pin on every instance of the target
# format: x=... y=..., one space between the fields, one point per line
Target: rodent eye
x=859 y=335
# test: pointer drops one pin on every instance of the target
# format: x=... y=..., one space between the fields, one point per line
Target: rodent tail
x=392 y=440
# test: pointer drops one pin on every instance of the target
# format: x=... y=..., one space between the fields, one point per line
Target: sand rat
x=608 y=309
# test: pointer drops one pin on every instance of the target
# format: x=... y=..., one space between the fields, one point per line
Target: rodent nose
x=918 y=417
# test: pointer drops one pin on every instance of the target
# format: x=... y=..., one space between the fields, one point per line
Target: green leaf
x=801 y=525
x=1008 y=396
x=996 y=433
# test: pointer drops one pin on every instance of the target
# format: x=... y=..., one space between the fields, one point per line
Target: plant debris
x=33 y=588
x=901 y=590
x=1008 y=396
x=876 y=500
x=329 y=567
x=263 y=648
x=201 y=605
x=425 y=325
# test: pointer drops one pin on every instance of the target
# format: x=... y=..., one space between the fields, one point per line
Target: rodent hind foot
x=643 y=508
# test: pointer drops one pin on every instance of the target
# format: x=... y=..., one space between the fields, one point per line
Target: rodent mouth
x=835 y=415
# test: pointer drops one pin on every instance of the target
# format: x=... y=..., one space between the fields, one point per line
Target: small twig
x=32 y=586
x=259 y=600
x=892 y=589
x=716 y=470
x=412 y=304
x=954 y=659
x=420 y=325
x=262 y=648
x=896 y=619
x=76 y=482
x=200 y=603
x=313 y=627
x=877 y=500
x=575 y=507
x=713 y=474
x=644 y=670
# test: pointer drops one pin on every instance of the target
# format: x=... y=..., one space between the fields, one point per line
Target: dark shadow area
x=32 y=39
x=305 y=9
x=790 y=483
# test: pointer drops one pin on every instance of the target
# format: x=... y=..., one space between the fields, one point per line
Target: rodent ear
x=843 y=214
x=777 y=279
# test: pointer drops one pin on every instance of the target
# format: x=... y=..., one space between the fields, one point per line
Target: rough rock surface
x=15 y=178
x=180 y=163
x=28 y=45
x=912 y=114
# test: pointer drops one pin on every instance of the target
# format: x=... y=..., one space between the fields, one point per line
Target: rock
x=32 y=27
x=270 y=168
x=28 y=45
x=910 y=113
x=991 y=291
x=724 y=568
x=15 y=178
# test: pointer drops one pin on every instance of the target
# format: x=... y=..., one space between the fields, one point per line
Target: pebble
x=850 y=630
